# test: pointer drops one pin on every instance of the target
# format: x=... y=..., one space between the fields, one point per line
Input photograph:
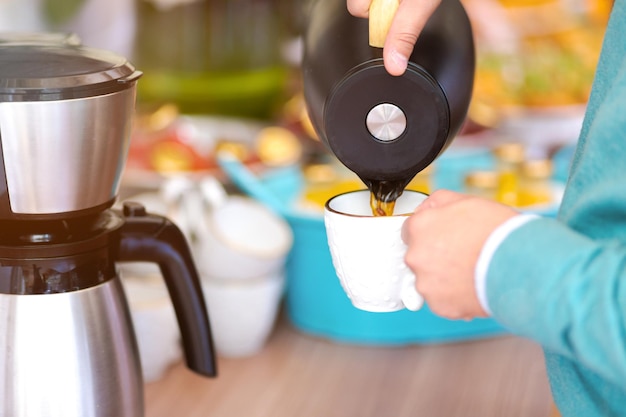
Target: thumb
x=440 y=198
x=407 y=24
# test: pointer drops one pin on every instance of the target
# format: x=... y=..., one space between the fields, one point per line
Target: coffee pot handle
x=152 y=238
x=381 y=14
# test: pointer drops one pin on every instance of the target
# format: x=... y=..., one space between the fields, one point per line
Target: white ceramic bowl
x=243 y=312
x=154 y=319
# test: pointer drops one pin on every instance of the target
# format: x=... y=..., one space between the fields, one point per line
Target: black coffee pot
x=386 y=128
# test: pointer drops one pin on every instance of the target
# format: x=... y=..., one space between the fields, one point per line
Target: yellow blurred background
x=534 y=53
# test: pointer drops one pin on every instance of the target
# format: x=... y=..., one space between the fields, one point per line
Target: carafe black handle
x=152 y=238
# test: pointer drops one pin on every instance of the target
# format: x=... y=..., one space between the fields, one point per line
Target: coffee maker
x=66 y=337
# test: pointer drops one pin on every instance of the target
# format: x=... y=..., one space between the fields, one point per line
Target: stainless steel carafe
x=66 y=336
x=383 y=127
x=68 y=344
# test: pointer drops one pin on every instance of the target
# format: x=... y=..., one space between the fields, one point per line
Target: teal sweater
x=562 y=282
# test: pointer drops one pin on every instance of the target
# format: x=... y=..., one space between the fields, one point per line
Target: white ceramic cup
x=233 y=236
x=241 y=239
x=368 y=251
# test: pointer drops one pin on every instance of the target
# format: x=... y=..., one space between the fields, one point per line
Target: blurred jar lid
x=481 y=179
x=513 y=152
x=277 y=146
x=537 y=169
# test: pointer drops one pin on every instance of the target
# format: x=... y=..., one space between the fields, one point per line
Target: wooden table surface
x=297 y=375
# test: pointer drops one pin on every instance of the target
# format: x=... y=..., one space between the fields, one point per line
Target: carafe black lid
x=42 y=67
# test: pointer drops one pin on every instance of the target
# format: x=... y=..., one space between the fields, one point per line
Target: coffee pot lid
x=48 y=66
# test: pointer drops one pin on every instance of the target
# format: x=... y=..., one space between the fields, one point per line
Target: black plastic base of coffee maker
x=56 y=256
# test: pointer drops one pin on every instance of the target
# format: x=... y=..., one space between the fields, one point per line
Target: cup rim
x=331 y=210
x=278 y=252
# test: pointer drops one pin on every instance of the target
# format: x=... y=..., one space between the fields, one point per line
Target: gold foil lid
x=512 y=152
x=237 y=149
x=537 y=169
x=482 y=179
x=277 y=146
x=320 y=173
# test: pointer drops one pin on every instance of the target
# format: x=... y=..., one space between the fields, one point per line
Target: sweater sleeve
x=564 y=290
x=492 y=243
x=562 y=282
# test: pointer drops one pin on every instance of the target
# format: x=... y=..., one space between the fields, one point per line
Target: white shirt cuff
x=491 y=245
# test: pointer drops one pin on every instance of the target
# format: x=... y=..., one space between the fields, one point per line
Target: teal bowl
x=314 y=299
